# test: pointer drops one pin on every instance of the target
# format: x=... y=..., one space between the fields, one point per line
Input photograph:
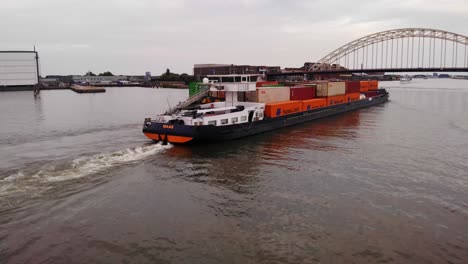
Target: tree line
x=106 y=73
x=169 y=76
x=166 y=76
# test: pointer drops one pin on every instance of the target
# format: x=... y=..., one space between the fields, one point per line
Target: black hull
x=230 y=132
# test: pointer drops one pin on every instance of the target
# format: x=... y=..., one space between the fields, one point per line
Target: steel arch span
x=414 y=49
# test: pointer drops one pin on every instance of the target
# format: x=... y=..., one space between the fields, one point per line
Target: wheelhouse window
x=227 y=79
x=224 y=121
x=243 y=118
x=212 y=122
x=235 y=120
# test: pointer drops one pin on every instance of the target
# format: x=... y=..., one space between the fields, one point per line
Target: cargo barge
x=270 y=108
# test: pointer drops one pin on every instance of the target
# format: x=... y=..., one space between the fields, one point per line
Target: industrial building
x=19 y=70
x=201 y=70
x=98 y=79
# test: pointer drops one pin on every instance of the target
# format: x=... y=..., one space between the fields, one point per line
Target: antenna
x=167 y=100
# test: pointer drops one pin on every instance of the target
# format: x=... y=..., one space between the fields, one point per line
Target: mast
x=37 y=64
x=38 y=85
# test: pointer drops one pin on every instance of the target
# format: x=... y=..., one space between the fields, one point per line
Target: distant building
x=60 y=78
x=201 y=70
x=46 y=82
x=98 y=79
x=19 y=68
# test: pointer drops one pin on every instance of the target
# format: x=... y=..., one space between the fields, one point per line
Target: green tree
x=169 y=76
x=107 y=73
x=90 y=73
x=186 y=78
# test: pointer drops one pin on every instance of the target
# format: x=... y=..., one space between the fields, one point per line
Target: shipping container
x=336 y=99
x=352 y=97
x=264 y=84
x=273 y=94
x=194 y=88
x=326 y=89
x=364 y=86
x=353 y=87
x=282 y=108
x=302 y=92
x=373 y=85
x=313 y=104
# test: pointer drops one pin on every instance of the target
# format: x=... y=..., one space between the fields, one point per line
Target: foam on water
x=85 y=166
x=80 y=167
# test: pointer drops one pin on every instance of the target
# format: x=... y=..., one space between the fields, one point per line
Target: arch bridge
x=398 y=50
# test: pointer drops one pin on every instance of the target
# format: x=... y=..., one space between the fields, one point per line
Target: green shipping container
x=194 y=88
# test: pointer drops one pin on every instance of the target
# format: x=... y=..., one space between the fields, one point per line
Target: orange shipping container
x=373 y=85
x=352 y=97
x=364 y=86
x=337 y=99
x=313 y=104
x=282 y=108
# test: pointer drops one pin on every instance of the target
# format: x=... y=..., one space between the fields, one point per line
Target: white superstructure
x=225 y=113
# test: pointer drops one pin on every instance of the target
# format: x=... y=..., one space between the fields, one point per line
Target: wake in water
x=25 y=179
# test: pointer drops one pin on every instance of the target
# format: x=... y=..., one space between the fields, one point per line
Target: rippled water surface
x=79 y=183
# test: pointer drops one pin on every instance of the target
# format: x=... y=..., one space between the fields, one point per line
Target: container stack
x=334 y=92
x=303 y=92
x=284 y=100
x=282 y=108
x=373 y=85
x=353 y=91
x=372 y=89
x=364 y=86
x=273 y=94
x=314 y=104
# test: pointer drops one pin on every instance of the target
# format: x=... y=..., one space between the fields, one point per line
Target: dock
x=87 y=89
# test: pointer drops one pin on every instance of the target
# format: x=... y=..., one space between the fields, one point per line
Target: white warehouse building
x=18 y=68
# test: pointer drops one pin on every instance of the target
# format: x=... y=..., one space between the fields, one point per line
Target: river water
x=79 y=183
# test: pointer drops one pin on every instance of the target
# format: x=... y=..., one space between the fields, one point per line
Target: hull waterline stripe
x=169 y=138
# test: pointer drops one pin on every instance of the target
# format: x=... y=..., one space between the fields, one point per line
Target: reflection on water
x=385 y=184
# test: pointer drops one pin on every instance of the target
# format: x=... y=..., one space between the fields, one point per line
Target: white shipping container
x=18 y=68
x=273 y=94
x=325 y=89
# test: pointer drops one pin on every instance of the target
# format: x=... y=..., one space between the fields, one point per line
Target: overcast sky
x=134 y=36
